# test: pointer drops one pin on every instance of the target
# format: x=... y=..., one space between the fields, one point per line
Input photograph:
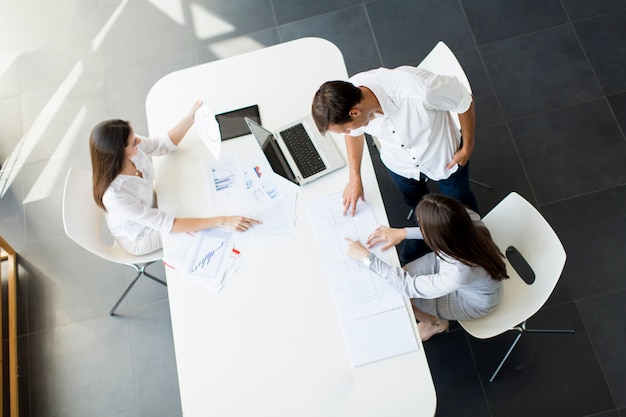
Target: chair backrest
x=515 y=222
x=441 y=60
x=83 y=221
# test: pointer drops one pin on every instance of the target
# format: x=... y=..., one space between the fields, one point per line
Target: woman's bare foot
x=427 y=330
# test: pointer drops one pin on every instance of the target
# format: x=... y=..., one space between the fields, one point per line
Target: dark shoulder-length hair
x=448 y=228
x=107 y=143
x=332 y=103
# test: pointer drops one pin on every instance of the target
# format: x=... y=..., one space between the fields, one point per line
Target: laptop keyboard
x=302 y=150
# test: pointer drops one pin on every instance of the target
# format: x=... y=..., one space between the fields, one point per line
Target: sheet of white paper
x=215 y=284
x=208 y=129
x=380 y=336
x=176 y=250
x=261 y=183
x=275 y=220
x=224 y=180
x=374 y=316
x=177 y=254
x=252 y=189
x=209 y=253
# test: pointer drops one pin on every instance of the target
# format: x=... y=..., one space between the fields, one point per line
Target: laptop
x=298 y=151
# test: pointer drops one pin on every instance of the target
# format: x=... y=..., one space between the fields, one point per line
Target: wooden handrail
x=8 y=254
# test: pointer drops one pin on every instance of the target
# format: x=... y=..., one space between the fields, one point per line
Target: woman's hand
x=178 y=132
x=239 y=223
x=194 y=108
x=390 y=237
x=356 y=250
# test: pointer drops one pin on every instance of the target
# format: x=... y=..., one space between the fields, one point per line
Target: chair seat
x=83 y=220
x=116 y=253
x=514 y=222
x=510 y=313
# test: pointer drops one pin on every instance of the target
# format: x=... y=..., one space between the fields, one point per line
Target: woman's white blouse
x=130 y=199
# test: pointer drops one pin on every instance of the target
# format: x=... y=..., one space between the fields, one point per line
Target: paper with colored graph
x=207 y=257
x=248 y=187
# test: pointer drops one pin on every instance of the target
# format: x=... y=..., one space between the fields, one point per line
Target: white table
x=270 y=343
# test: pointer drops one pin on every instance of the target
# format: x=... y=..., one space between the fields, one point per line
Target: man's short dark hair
x=332 y=103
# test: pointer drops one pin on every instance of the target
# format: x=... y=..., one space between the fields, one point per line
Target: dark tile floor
x=550 y=87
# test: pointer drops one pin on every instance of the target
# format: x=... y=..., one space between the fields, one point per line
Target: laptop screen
x=272 y=152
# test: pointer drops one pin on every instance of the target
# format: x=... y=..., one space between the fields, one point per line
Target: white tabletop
x=270 y=343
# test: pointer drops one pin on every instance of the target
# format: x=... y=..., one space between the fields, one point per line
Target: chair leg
x=141 y=270
x=149 y=275
x=522 y=329
x=519 y=336
x=112 y=312
x=548 y=331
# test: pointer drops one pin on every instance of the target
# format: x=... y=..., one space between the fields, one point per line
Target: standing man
x=408 y=110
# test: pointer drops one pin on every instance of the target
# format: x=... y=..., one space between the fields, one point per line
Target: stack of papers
x=208 y=257
x=250 y=188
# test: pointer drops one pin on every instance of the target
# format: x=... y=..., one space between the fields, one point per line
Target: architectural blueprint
x=374 y=316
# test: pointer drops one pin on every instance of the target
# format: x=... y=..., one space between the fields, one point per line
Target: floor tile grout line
x=595 y=16
x=521 y=161
x=480 y=57
x=369 y=22
x=273 y=6
x=585 y=194
x=602 y=294
x=132 y=359
x=495 y=94
x=314 y=16
x=603 y=413
x=522 y=35
x=564 y=107
x=477 y=370
x=593 y=71
x=595 y=353
x=619 y=126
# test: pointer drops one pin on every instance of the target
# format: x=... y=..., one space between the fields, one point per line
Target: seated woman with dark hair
x=461 y=279
x=123 y=178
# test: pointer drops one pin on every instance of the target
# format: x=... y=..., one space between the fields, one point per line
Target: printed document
x=250 y=188
x=374 y=316
x=208 y=129
x=207 y=257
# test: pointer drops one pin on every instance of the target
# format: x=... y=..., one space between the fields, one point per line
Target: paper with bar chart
x=374 y=316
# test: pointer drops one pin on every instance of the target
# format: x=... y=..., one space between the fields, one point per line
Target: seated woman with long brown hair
x=123 y=178
x=461 y=279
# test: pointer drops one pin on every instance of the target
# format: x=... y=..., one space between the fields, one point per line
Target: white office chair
x=441 y=60
x=83 y=222
x=515 y=223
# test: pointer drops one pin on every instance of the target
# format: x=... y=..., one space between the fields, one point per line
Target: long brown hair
x=107 y=143
x=448 y=228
